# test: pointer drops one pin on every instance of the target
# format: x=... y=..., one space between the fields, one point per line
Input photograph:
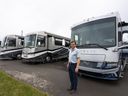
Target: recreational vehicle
x=11 y=47
x=101 y=46
x=44 y=47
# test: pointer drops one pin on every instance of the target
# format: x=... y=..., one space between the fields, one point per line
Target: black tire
x=121 y=71
x=19 y=57
x=43 y=60
x=48 y=59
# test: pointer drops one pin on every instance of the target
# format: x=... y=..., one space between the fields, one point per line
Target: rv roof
x=51 y=34
x=113 y=14
x=48 y=33
x=15 y=36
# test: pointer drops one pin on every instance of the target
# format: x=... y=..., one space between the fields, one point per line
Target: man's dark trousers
x=73 y=76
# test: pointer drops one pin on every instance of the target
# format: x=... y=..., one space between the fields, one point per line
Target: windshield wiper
x=93 y=44
x=29 y=46
x=99 y=46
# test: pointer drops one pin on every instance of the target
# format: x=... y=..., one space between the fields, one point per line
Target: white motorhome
x=11 y=47
x=100 y=41
x=44 y=47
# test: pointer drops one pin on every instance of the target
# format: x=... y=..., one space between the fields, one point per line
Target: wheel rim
x=19 y=56
x=48 y=59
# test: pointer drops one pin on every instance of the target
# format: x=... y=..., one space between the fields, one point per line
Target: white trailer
x=11 y=47
x=101 y=42
x=44 y=47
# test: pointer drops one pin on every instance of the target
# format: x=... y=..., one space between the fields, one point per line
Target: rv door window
x=41 y=41
x=11 y=42
x=58 y=41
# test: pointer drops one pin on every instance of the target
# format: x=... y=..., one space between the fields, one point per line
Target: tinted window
x=58 y=41
x=11 y=42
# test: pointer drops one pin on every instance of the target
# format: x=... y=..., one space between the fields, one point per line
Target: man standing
x=72 y=66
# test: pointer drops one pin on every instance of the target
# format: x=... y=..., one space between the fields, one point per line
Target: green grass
x=12 y=87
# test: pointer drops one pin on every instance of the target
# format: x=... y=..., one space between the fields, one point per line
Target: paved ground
x=57 y=74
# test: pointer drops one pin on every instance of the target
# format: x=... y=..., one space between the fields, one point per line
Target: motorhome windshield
x=30 y=40
x=4 y=42
x=99 y=32
x=9 y=41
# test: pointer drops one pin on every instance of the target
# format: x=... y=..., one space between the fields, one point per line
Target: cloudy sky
x=55 y=16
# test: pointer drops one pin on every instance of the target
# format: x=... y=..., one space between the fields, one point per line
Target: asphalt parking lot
x=57 y=74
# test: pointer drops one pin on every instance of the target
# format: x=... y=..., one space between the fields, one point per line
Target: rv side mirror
x=125 y=38
x=63 y=42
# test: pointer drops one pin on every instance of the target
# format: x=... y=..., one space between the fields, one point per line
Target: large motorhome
x=101 y=41
x=44 y=47
x=11 y=47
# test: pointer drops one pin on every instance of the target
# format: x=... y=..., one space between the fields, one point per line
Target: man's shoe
x=70 y=89
x=73 y=92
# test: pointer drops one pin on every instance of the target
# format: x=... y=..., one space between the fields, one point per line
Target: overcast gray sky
x=55 y=16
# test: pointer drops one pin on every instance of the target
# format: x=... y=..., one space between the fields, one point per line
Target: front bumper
x=108 y=74
x=32 y=58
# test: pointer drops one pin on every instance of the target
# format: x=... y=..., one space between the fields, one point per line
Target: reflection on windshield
x=100 y=32
x=3 y=43
x=30 y=40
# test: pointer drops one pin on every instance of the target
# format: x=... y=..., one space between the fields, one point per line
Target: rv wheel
x=19 y=56
x=48 y=59
x=121 y=71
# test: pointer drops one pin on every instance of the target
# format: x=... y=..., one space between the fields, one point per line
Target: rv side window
x=41 y=41
x=67 y=43
x=12 y=42
x=58 y=41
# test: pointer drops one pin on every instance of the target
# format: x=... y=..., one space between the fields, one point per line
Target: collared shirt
x=73 y=55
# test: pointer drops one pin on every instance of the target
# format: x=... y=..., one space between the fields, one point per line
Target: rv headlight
x=109 y=65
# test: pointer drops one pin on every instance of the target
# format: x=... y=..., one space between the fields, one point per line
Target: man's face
x=73 y=45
